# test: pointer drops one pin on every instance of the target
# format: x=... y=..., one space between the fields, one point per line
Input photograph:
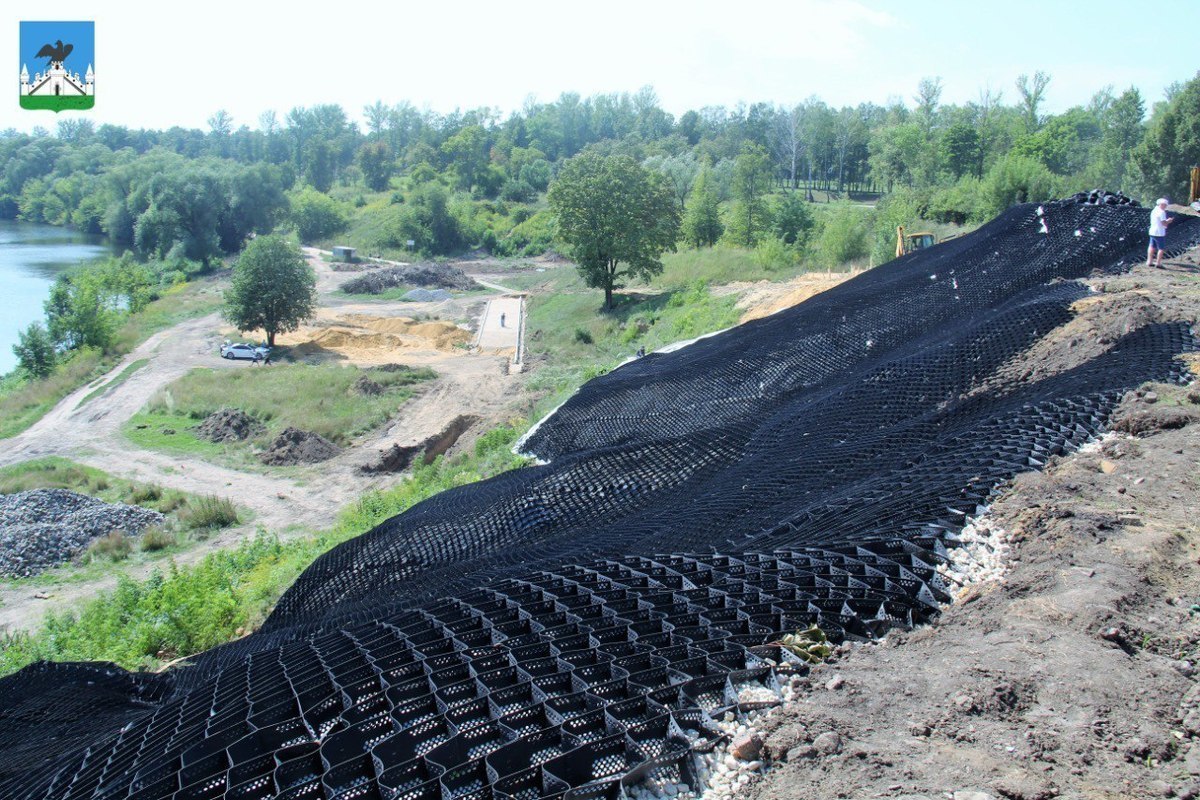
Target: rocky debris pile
x=1100 y=197
x=42 y=528
x=295 y=446
x=426 y=295
x=228 y=425
x=365 y=386
x=437 y=276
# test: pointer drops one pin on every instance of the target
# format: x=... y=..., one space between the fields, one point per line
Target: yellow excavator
x=912 y=242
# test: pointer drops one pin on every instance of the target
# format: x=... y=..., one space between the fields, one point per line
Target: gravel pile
x=438 y=276
x=228 y=425
x=295 y=446
x=427 y=295
x=42 y=528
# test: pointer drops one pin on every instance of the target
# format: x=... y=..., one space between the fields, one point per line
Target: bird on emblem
x=58 y=52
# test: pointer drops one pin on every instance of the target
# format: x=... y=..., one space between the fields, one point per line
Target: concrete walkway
x=502 y=327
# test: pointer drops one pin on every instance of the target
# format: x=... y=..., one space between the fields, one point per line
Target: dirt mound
x=435 y=276
x=1143 y=414
x=398 y=459
x=295 y=446
x=366 y=386
x=228 y=425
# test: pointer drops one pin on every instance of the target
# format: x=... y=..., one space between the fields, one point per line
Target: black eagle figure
x=58 y=53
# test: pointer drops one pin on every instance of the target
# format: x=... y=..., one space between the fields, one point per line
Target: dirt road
x=310 y=498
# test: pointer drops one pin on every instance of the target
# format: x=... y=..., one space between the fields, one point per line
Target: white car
x=243 y=350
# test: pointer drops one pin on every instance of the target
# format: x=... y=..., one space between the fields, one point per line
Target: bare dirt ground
x=763 y=298
x=309 y=498
x=1075 y=675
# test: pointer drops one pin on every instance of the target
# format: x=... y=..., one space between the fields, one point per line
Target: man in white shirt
x=1158 y=233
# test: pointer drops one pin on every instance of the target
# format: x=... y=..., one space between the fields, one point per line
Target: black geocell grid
x=567 y=629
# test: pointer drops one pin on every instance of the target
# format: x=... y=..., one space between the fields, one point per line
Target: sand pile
x=444 y=335
x=228 y=425
x=361 y=336
x=295 y=446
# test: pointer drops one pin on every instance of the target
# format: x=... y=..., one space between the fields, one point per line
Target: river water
x=31 y=257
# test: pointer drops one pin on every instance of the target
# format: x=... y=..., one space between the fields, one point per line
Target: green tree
x=792 y=222
x=1123 y=130
x=273 y=288
x=1160 y=163
x=80 y=312
x=1033 y=92
x=316 y=215
x=375 y=161
x=319 y=166
x=617 y=216
x=702 y=219
x=961 y=150
x=751 y=181
x=35 y=351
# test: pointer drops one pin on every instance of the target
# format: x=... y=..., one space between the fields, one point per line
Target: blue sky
x=34 y=34
x=161 y=70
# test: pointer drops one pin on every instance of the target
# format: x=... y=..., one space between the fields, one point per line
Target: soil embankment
x=1073 y=675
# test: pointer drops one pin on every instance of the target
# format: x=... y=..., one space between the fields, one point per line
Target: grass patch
x=184 y=610
x=24 y=402
x=170 y=433
x=174 y=305
x=208 y=513
x=113 y=547
x=155 y=538
x=28 y=401
x=313 y=398
x=578 y=340
x=124 y=375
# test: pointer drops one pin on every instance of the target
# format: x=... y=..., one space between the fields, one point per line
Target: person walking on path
x=1158 y=233
x=502 y=320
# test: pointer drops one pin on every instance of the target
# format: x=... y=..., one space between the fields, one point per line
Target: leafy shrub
x=496 y=439
x=845 y=236
x=1017 y=179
